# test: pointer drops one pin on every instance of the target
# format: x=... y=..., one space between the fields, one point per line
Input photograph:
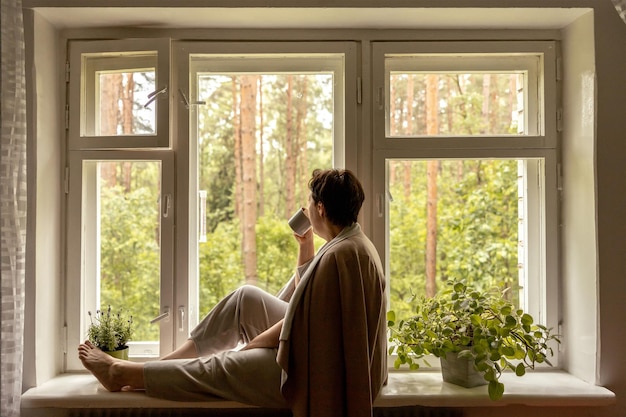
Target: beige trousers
x=250 y=376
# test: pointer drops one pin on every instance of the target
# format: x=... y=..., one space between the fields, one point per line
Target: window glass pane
x=455 y=103
x=455 y=219
x=123 y=252
x=259 y=138
x=118 y=94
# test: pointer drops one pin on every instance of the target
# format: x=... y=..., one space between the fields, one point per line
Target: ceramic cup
x=299 y=222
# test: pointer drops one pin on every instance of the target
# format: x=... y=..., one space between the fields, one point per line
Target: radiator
x=413 y=411
x=417 y=411
x=180 y=412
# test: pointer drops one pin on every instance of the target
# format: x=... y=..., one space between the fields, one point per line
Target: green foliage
x=130 y=251
x=277 y=251
x=479 y=220
x=477 y=199
x=480 y=325
x=221 y=269
x=110 y=331
x=477 y=238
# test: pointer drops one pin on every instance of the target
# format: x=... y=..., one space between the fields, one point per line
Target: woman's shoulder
x=356 y=243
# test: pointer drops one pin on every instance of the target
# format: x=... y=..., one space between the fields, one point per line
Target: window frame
x=542 y=300
x=344 y=155
x=80 y=291
x=546 y=131
x=78 y=83
x=364 y=144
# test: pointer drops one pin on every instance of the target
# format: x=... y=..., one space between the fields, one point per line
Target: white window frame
x=542 y=193
x=251 y=57
x=447 y=56
x=81 y=291
x=356 y=152
x=82 y=81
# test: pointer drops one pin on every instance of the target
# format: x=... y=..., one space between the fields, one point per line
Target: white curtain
x=13 y=204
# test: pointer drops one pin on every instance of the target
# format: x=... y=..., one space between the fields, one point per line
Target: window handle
x=163 y=316
x=181 y=318
x=154 y=95
x=166 y=205
x=186 y=100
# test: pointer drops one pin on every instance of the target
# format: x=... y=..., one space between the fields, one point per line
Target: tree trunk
x=261 y=204
x=486 y=102
x=127 y=89
x=409 y=131
x=392 y=110
x=301 y=142
x=127 y=104
x=110 y=88
x=249 y=181
x=493 y=113
x=432 y=127
x=237 y=150
x=393 y=129
x=290 y=157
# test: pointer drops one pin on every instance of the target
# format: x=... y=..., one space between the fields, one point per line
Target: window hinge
x=67 y=71
x=359 y=90
x=559 y=176
x=67 y=116
x=66 y=180
x=559 y=68
x=559 y=120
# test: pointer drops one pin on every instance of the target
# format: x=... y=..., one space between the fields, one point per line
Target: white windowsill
x=545 y=388
x=82 y=390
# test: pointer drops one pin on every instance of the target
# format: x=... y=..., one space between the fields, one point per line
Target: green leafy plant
x=483 y=327
x=110 y=331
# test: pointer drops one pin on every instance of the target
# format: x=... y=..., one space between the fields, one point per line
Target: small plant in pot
x=111 y=332
x=481 y=330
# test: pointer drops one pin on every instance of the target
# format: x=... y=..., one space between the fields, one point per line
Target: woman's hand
x=268 y=339
x=306 y=250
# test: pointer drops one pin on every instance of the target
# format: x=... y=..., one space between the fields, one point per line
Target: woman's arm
x=267 y=339
x=306 y=250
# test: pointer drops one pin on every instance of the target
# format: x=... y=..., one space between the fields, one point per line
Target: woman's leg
x=251 y=377
x=238 y=318
x=113 y=373
x=186 y=351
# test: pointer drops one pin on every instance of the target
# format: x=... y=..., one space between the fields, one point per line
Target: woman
x=318 y=348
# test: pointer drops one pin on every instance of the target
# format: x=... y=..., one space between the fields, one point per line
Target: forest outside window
x=473 y=122
x=271 y=112
x=466 y=164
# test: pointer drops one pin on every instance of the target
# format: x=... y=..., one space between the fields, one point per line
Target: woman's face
x=314 y=215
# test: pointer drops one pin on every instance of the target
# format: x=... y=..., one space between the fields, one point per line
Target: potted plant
x=479 y=330
x=110 y=332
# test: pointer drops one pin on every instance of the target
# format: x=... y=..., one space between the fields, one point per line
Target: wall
x=43 y=310
x=578 y=218
x=610 y=46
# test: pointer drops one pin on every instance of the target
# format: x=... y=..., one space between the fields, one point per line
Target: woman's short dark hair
x=341 y=193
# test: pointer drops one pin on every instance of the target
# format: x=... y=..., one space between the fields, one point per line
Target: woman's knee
x=249 y=292
x=250 y=296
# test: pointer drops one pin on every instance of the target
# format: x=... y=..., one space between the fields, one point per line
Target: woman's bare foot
x=101 y=365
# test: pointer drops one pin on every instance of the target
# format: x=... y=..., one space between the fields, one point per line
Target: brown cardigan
x=333 y=345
